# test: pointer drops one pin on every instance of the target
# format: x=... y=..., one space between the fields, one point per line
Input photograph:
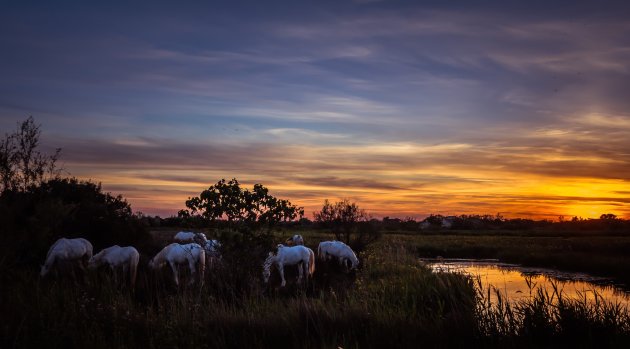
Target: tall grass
x=549 y=318
x=392 y=301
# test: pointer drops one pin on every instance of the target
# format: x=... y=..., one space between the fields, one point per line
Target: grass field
x=392 y=301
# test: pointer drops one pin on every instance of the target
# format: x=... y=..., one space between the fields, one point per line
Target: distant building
x=447 y=222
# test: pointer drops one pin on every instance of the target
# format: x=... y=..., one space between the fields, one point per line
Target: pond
x=520 y=283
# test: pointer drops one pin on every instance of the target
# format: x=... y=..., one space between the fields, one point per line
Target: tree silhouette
x=228 y=201
x=22 y=164
x=348 y=222
x=608 y=216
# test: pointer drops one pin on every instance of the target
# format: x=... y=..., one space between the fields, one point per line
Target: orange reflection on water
x=517 y=283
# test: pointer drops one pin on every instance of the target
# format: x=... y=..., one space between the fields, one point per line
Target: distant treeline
x=435 y=222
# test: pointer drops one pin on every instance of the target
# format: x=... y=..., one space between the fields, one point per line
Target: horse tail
x=319 y=251
x=311 y=262
x=133 y=268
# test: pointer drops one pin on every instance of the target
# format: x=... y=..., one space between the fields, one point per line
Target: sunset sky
x=406 y=107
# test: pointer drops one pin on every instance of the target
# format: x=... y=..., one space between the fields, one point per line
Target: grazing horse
x=337 y=249
x=115 y=257
x=212 y=252
x=67 y=250
x=290 y=255
x=176 y=254
x=186 y=237
x=212 y=247
x=295 y=240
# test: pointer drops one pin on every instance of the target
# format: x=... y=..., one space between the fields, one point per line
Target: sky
x=405 y=107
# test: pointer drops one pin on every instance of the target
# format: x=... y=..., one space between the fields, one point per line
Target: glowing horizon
x=385 y=191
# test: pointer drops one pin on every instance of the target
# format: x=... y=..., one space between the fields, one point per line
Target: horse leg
x=133 y=269
x=300 y=272
x=113 y=271
x=125 y=271
x=281 y=270
x=193 y=271
x=175 y=275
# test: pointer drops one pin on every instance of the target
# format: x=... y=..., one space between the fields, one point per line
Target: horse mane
x=159 y=257
x=271 y=257
x=97 y=257
x=105 y=251
x=52 y=248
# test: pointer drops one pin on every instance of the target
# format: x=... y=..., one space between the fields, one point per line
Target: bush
x=31 y=220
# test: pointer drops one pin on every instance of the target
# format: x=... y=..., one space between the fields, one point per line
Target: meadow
x=393 y=300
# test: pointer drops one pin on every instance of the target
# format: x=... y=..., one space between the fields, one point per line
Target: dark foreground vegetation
x=393 y=301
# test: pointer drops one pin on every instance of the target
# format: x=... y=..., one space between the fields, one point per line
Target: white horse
x=212 y=252
x=176 y=254
x=67 y=250
x=186 y=237
x=340 y=251
x=116 y=257
x=290 y=255
x=295 y=240
x=212 y=247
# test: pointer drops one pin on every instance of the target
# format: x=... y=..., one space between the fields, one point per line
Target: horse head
x=92 y=263
x=266 y=274
x=43 y=271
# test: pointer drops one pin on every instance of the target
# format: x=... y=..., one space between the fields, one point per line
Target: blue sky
x=406 y=107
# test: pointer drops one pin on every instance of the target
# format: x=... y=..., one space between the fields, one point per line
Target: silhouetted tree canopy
x=238 y=206
x=608 y=216
x=348 y=222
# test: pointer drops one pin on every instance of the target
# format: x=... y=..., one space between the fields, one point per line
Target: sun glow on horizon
x=535 y=198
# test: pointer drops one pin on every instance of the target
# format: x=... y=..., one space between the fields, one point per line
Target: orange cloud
x=389 y=179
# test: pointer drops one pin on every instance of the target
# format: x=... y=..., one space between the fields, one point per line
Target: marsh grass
x=551 y=318
x=392 y=301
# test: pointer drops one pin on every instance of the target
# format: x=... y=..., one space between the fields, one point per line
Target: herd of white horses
x=194 y=251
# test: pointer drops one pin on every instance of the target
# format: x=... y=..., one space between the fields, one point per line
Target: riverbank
x=596 y=254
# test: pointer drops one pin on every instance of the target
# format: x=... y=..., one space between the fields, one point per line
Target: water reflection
x=520 y=283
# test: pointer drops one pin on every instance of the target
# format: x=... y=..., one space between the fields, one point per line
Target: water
x=519 y=283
